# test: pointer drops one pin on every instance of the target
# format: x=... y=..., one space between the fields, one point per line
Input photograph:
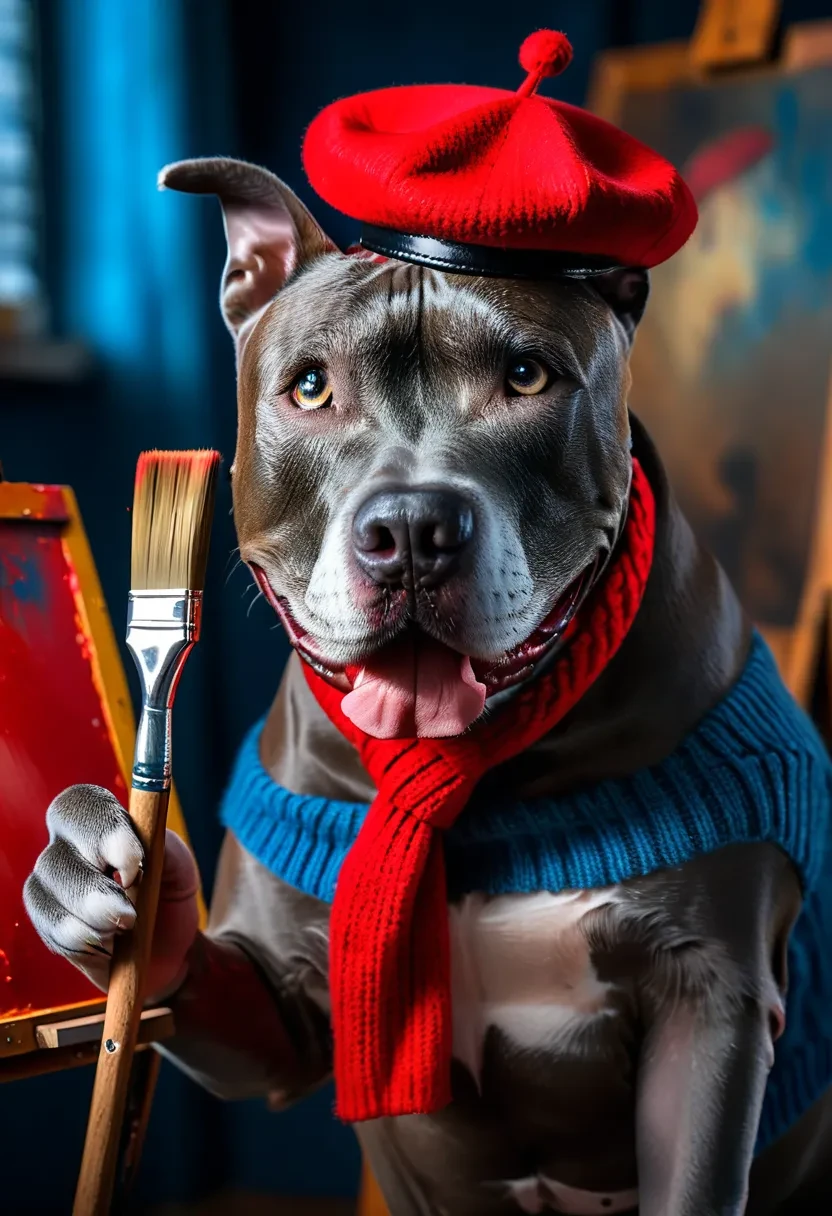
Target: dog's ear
x=269 y=231
x=626 y=291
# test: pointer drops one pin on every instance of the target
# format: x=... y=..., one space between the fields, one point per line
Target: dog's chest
x=536 y=1028
x=522 y=965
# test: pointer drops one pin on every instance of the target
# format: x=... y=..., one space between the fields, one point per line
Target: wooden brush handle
x=128 y=973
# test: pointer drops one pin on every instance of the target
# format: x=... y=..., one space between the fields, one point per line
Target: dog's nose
x=412 y=537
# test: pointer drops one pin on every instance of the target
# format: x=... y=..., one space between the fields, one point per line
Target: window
x=21 y=294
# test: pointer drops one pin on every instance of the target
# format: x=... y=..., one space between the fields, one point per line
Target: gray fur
x=662 y=1091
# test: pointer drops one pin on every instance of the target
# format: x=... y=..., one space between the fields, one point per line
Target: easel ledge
x=70 y=1042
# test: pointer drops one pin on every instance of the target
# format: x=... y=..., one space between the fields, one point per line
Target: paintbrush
x=172 y=511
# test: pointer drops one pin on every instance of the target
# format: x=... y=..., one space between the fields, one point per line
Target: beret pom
x=546 y=53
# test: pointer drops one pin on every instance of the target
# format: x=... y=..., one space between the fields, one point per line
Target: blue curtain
x=126 y=248
x=130 y=85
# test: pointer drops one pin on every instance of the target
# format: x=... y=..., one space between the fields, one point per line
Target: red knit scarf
x=389 y=937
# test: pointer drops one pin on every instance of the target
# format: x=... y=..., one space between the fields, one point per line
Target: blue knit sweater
x=754 y=769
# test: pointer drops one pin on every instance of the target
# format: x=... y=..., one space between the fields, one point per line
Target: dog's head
x=431 y=468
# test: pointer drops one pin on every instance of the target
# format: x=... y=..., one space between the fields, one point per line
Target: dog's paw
x=76 y=896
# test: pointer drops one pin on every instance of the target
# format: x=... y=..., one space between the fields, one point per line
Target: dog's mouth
x=415 y=685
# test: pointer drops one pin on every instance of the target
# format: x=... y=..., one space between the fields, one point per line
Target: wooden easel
x=58 y=652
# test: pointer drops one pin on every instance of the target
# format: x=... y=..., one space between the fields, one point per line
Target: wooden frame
x=655 y=69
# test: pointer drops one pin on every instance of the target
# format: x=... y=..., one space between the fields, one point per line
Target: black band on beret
x=461 y=258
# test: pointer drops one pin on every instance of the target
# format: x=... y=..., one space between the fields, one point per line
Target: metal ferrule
x=162 y=627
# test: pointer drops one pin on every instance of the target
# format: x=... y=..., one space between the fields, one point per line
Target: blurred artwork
x=731 y=366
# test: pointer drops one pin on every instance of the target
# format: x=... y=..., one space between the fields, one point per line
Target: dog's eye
x=527 y=377
x=311 y=391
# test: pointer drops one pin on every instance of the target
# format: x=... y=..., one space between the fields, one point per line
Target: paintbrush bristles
x=173 y=507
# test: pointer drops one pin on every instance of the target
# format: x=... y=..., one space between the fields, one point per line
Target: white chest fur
x=521 y=963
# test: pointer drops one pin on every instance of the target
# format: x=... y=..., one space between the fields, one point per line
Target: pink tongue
x=415 y=687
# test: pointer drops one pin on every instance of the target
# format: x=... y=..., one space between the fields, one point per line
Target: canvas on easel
x=731 y=366
x=65 y=717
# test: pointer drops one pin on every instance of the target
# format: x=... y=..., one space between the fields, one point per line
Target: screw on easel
x=110 y=1046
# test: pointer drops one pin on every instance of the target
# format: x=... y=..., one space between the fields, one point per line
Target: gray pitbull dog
x=481 y=428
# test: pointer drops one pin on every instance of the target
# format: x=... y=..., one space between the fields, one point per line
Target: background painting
x=732 y=363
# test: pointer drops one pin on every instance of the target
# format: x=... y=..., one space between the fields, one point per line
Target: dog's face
x=420 y=455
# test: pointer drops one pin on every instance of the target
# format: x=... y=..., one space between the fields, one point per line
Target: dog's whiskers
x=239 y=562
x=258 y=596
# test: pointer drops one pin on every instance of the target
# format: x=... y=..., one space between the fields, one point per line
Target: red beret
x=488 y=181
x=727 y=158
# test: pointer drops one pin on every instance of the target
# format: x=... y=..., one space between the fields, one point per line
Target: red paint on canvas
x=53 y=733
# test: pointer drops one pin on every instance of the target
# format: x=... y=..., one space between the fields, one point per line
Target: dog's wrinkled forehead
x=391 y=318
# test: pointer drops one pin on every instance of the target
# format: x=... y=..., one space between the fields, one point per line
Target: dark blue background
x=128 y=85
